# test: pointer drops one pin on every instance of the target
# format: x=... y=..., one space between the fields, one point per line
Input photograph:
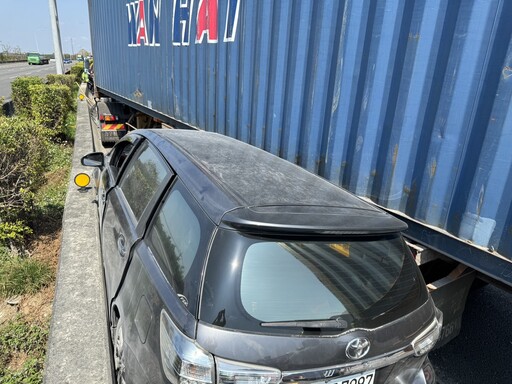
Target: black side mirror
x=95 y=159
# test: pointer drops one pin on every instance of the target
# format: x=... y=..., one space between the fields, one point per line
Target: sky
x=26 y=24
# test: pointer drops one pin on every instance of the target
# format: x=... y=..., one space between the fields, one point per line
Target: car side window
x=119 y=155
x=143 y=177
x=178 y=238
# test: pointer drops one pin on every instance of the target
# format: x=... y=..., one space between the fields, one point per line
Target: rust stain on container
x=433 y=169
x=395 y=155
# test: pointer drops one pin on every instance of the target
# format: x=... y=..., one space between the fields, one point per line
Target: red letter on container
x=207 y=21
x=141 y=30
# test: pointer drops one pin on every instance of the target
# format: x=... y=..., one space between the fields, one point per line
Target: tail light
x=428 y=338
x=185 y=362
x=108 y=118
x=229 y=372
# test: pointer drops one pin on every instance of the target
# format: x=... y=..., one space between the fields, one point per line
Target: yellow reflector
x=82 y=180
x=81 y=97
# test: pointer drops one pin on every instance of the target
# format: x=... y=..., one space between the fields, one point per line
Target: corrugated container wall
x=401 y=101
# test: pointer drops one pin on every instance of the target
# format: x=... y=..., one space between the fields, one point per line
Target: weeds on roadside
x=30 y=373
x=20 y=274
x=25 y=342
x=50 y=198
x=42 y=187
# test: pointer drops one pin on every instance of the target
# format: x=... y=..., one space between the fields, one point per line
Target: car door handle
x=121 y=245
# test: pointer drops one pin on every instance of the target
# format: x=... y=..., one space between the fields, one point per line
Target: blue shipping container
x=403 y=102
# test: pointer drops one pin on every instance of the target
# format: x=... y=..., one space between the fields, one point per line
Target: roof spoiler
x=312 y=220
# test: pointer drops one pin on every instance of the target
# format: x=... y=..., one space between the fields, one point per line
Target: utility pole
x=56 y=36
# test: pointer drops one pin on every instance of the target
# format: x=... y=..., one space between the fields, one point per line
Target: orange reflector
x=82 y=180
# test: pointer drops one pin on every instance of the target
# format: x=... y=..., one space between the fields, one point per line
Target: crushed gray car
x=225 y=264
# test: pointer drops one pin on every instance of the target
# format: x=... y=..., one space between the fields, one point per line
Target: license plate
x=367 y=377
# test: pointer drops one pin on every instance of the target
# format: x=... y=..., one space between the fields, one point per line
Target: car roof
x=243 y=187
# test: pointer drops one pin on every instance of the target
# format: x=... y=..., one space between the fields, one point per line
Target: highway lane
x=10 y=71
x=482 y=353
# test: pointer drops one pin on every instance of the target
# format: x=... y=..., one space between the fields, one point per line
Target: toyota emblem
x=358 y=348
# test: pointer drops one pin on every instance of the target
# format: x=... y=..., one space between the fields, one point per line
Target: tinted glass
x=367 y=282
x=177 y=236
x=142 y=178
x=119 y=155
x=335 y=279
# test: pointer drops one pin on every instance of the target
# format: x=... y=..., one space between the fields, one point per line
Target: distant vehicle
x=36 y=59
x=79 y=58
x=67 y=61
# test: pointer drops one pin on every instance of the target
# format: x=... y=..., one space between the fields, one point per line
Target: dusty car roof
x=245 y=187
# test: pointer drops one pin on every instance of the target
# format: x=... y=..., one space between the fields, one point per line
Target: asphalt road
x=10 y=71
x=482 y=353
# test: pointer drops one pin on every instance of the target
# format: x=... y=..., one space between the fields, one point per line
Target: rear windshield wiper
x=332 y=324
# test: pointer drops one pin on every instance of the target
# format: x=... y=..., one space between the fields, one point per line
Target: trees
x=9 y=53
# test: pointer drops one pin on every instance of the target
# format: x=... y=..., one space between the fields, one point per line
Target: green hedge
x=42 y=115
x=67 y=80
x=23 y=160
x=21 y=94
x=50 y=107
x=76 y=70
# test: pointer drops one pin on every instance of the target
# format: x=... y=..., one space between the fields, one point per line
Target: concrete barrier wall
x=79 y=346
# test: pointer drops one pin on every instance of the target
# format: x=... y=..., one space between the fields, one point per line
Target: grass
x=24 y=344
x=71 y=122
x=23 y=338
x=20 y=275
x=50 y=198
x=59 y=156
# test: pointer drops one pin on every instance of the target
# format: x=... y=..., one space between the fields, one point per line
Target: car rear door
x=127 y=207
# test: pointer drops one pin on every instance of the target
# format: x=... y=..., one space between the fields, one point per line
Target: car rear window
x=366 y=282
